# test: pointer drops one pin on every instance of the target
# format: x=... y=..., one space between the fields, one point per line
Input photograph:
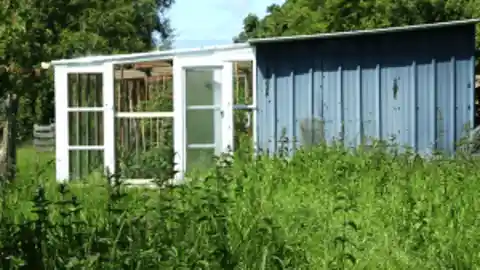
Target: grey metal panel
x=414 y=87
x=387 y=30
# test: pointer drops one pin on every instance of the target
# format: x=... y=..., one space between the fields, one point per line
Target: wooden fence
x=44 y=137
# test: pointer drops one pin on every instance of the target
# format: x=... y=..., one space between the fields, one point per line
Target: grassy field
x=323 y=209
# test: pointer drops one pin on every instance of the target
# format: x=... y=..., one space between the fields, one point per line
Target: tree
x=32 y=31
x=319 y=16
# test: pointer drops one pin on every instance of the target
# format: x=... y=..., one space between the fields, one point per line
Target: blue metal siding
x=416 y=87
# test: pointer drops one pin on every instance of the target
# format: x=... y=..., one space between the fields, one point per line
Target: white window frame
x=62 y=146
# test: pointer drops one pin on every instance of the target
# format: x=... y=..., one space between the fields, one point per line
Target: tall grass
x=325 y=208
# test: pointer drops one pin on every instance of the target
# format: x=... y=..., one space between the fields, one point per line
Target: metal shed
x=412 y=84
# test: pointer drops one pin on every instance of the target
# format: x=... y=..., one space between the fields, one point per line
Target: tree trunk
x=8 y=155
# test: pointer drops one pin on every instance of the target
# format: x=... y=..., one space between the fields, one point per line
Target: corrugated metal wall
x=416 y=87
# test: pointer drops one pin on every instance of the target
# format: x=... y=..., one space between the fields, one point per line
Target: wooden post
x=9 y=155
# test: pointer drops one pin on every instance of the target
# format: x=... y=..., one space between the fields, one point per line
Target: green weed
x=323 y=208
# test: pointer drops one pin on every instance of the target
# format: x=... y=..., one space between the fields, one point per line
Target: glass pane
x=144 y=95
x=145 y=148
x=200 y=159
x=84 y=163
x=243 y=132
x=85 y=128
x=200 y=127
x=85 y=90
x=199 y=87
x=242 y=82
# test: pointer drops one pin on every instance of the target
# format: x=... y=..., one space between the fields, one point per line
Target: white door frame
x=224 y=61
x=223 y=72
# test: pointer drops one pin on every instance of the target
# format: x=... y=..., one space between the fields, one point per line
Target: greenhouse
x=171 y=108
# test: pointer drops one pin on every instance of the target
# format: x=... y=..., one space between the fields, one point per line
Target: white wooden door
x=207 y=114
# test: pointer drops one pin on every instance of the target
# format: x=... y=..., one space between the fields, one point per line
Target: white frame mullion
x=109 y=118
x=203 y=107
x=244 y=107
x=61 y=124
x=144 y=115
x=85 y=109
x=217 y=110
x=254 y=102
x=84 y=69
x=202 y=146
x=86 y=147
x=179 y=119
x=227 y=107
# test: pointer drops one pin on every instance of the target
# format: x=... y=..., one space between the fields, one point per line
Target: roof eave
x=144 y=57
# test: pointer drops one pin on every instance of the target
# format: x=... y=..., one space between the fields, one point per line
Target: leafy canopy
x=318 y=16
x=33 y=31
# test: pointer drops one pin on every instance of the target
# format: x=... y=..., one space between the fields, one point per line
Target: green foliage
x=112 y=226
x=318 y=16
x=32 y=31
x=154 y=163
x=155 y=158
x=325 y=208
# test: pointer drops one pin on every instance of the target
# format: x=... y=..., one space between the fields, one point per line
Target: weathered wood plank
x=44 y=137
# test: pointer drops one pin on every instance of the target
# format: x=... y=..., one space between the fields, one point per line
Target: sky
x=212 y=22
